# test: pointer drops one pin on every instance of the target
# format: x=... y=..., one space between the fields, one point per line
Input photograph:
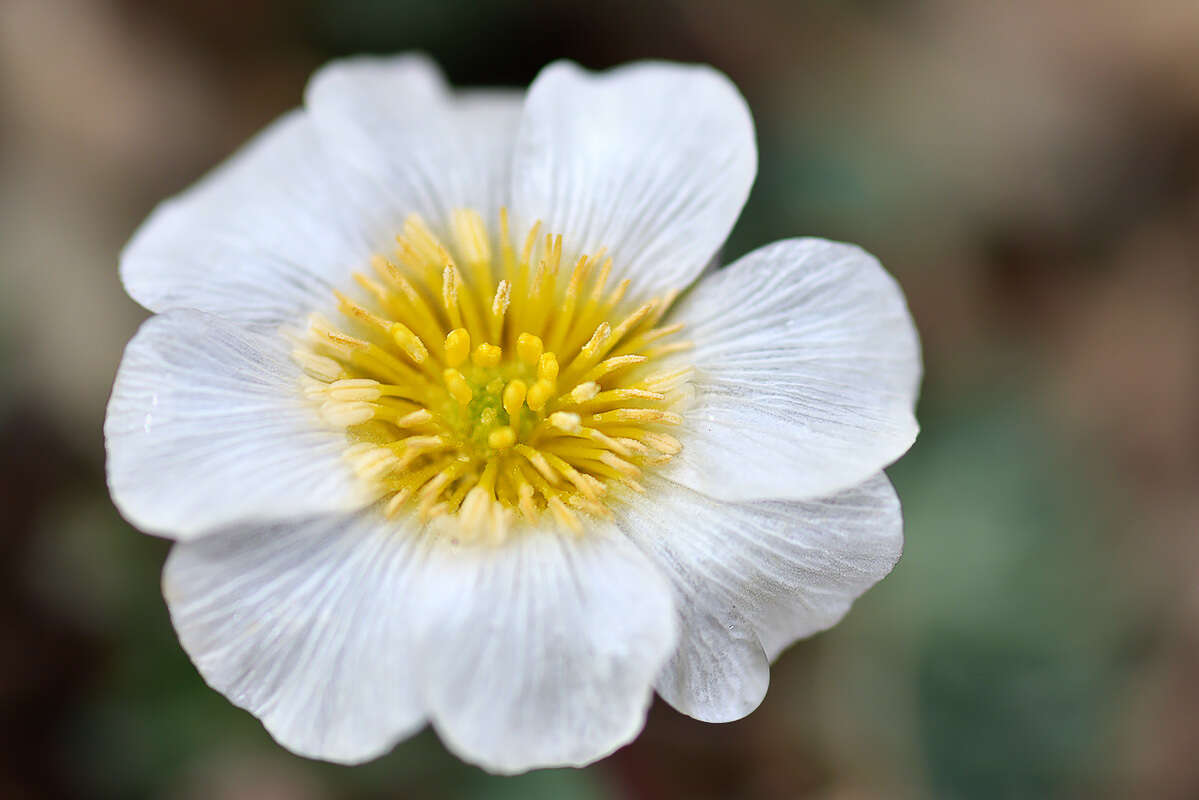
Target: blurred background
x=1029 y=170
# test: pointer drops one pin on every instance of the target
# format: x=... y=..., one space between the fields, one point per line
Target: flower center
x=487 y=388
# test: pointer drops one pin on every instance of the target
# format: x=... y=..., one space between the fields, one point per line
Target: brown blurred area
x=1029 y=171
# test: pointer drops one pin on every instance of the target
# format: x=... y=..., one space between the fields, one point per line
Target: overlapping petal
x=652 y=160
x=262 y=239
x=207 y=426
x=807 y=368
x=428 y=150
x=342 y=632
x=266 y=237
x=542 y=652
x=751 y=578
x=305 y=623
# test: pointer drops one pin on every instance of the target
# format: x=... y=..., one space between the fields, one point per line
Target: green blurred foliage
x=1010 y=604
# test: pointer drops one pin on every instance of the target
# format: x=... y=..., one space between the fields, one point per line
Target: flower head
x=445 y=433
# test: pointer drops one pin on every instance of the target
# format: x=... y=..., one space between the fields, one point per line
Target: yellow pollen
x=409 y=342
x=529 y=347
x=486 y=355
x=501 y=438
x=458 y=388
x=564 y=420
x=547 y=367
x=457 y=347
x=514 y=396
x=488 y=385
x=539 y=394
x=584 y=392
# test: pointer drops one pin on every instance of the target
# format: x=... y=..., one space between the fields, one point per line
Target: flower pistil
x=481 y=391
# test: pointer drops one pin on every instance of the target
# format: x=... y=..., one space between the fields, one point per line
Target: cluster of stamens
x=484 y=388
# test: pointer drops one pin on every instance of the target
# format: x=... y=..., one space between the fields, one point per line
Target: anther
x=662 y=442
x=409 y=342
x=319 y=367
x=346 y=414
x=565 y=516
x=539 y=394
x=413 y=419
x=598 y=337
x=616 y=446
x=486 y=355
x=313 y=389
x=422 y=444
x=637 y=415
x=529 y=347
x=525 y=501
x=457 y=386
x=584 y=392
x=474 y=510
x=503 y=296
x=396 y=502
x=547 y=367
x=449 y=294
x=539 y=462
x=566 y=421
x=611 y=365
x=457 y=347
x=376 y=464
x=355 y=389
x=501 y=438
x=620 y=465
x=514 y=396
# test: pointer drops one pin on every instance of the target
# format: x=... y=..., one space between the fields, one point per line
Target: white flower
x=424 y=466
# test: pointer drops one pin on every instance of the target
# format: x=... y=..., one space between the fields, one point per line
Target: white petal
x=305 y=624
x=207 y=425
x=807 y=368
x=653 y=161
x=542 y=652
x=395 y=120
x=267 y=236
x=485 y=122
x=264 y=238
x=751 y=578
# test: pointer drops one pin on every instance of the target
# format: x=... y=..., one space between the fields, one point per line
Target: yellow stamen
x=319 y=367
x=409 y=342
x=514 y=396
x=457 y=347
x=529 y=348
x=355 y=389
x=563 y=420
x=452 y=340
x=458 y=387
x=486 y=355
x=501 y=438
x=547 y=367
x=343 y=415
x=584 y=392
x=539 y=394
